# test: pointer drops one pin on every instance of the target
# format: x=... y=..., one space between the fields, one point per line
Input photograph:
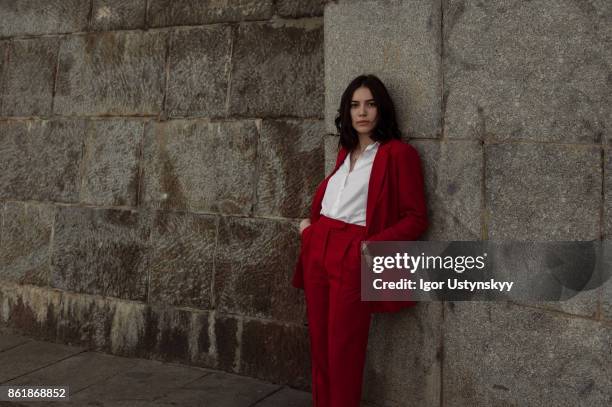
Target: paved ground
x=98 y=379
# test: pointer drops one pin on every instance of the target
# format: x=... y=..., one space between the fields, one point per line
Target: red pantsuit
x=337 y=319
x=328 y=269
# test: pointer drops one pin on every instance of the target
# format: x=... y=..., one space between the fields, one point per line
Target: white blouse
x=346 y=194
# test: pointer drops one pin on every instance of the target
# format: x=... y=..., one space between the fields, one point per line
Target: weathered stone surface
x=111 y=73
x=31 y=356
x=200 y=165
x=526 y=70
x=290 y=166
x=147 y=380
x=42 y=16
x=403 y=359
x=411 y=73
x=606 y=293
x=41 y=159
x=100 y=251
x=29 y=77
x=206 y=391
x=181 y=259
x=453 y=172
x=606 y=300
x=199 y=72
x=607 y=221
x=24 y=310
x=4 y=46
x=287 y=397
x=119 y=327
x=227 y=342
x=331 y=152
x=77 y=372
x=501 y=354
x=112 y=151
x=299 y=8
x=26 y=237
x=253 y=268
x=8 y=341
x=280 y=353
x=277 y=69
x=193 y=12
x=543 y=191
x=117 y=14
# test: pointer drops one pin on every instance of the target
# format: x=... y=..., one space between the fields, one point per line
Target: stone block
x=77 y=372
x=100 y=251
x=453 y=172
x=287 y=397
x=277 y=69
x=117 y=14
x=41 y=159
x=147 y=380
x=200 y=166
x=181 y=259
x=194 y=12
x=527 y=70
x=290 y=160
x=26 y=240
x=33 y=17
x=111 y=73
x=606 y=300
x=199 y=71
x=606 y=293
x=82 y=320
x=212 y=390
x=253 y=268
x=29 y=77
x=112 y=150
x=24 y=310
x=31 y=356
x=501 y=354
x=402 y=40
x=8 y=341
x=543 y=191
x=276 y=352
x=227 y=342
x=300 y=8
x=331 y=153
x=607 y=221
x=404 y=357
x=4 y=47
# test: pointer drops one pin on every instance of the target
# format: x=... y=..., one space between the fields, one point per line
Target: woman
x=375 y=192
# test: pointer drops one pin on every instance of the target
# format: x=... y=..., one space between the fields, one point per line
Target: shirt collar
x=371 y=146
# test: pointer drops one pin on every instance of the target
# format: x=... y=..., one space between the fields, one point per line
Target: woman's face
x=364 y=112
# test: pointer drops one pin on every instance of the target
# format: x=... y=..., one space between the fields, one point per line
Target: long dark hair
x=386 y=127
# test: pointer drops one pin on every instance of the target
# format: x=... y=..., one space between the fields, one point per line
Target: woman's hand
x=304 y=224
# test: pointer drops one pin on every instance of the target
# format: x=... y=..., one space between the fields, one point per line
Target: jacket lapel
x=377 y=176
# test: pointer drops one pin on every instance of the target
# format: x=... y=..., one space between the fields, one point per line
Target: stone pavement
x=102 y=380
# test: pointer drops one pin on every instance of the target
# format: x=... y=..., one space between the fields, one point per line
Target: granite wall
x=508 y=102
x=156 y=159
x=158 y=155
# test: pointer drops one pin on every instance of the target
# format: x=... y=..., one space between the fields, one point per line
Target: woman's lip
x=363 y=122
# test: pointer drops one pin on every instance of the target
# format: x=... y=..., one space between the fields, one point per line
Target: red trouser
x=337 y=319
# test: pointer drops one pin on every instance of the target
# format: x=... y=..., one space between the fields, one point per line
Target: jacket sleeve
x=410 y=190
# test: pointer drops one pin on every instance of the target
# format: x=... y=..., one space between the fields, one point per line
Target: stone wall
x=508 y=103
x=150 y=193
x=156 y=158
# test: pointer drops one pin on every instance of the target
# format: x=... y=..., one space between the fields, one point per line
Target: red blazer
x=395 y=210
